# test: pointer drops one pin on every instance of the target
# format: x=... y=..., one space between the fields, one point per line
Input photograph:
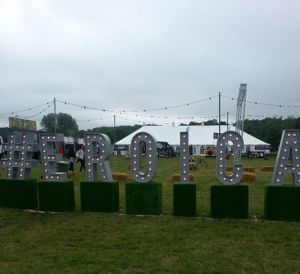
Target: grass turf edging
x=17 y=193
x=229 y=201
x=99 y=196
x=143 y=198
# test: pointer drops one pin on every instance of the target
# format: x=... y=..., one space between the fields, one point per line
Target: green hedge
x=229 y=201
x=184 y=199
x=99 y=196
x=282 y=202
x=56 y=196
x=143 y=198
x=16 y=193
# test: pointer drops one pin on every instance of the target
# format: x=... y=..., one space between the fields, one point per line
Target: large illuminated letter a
x=288 y=158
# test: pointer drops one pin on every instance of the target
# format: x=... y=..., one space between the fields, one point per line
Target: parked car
x=165 y=150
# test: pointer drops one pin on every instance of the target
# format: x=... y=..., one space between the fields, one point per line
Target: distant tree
x=193 y=123
x=65 y=124
x=214 y=122
x=211 y=122
x=115 y=134
x=81 y=133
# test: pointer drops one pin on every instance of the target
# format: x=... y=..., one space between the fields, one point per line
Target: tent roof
x=198 y=135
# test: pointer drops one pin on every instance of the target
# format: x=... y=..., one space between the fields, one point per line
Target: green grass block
x=99 y=196
x=56 y=196
x=282 y=202
x=18 y=193
x=229 y=201
x=184 y=200
x=143 y=198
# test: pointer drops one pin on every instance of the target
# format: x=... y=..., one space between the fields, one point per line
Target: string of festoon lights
x=91 y=120
x=133 y=112
x=7 y=114
x=140 y=115
x=138 y=120
x=47 y=105
x=262 y=103
x=38 y=113
x=251 y=116
x=21 y=113
x=137 y=113
x=183 y=120
x=180 y=105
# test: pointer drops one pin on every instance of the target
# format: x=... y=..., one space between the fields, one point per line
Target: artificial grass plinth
x=56 y=195
x=229 y=201
x=99 y=196
x=184 y=199
x=16 y=193
x=282 y=202
x=143 y=198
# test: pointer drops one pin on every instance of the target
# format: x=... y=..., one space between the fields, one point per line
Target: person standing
x=71 y=157
x=81 y=158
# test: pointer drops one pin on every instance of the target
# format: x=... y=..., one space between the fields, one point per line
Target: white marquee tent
x=199 y=137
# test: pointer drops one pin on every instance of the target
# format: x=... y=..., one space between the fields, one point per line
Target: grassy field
x=76 y=242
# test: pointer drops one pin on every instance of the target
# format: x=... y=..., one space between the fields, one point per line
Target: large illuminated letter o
x=137 y=143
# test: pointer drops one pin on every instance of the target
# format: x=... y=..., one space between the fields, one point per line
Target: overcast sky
x=135 y=55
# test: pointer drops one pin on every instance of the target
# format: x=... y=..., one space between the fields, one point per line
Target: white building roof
x=198 y=135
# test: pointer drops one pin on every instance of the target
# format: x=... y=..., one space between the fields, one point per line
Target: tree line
x=269 y=129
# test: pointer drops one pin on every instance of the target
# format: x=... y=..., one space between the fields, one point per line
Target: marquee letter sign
x=19 y=161
x=184 y=157
x=97 y=151
x=139 y=141
x=49 y=157
x=289 y=149
x=237 y=147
